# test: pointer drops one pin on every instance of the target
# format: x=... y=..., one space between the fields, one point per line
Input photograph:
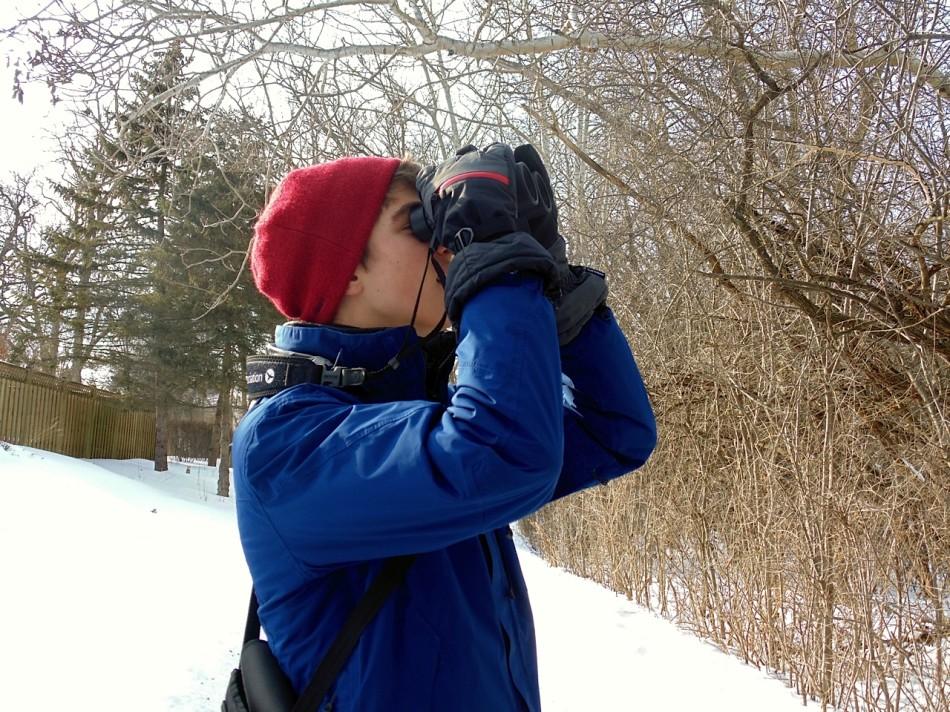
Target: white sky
x=27 y=130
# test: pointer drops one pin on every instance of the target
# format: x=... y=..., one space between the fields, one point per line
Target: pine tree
x=148 y=276
x=210 y=234
x=31 y=307
x=94 y=285
x=155 y=339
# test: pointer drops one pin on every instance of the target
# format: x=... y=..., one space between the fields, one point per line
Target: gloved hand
x=481 y=263
x=471 y=197
x=534 y=210
x=469 y=205
x=537 y=211
x=581 y=290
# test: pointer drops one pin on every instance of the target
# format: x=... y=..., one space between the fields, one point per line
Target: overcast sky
x=25 y=130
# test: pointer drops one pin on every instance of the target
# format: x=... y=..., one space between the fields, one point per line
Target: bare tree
x=30 y=326
x=767 y=186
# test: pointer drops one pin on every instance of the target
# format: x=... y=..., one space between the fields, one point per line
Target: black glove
x=472 y=197
x=481 y=263
x=581 y=290
x=528 y=182
x=583 y=293
x=537 y=211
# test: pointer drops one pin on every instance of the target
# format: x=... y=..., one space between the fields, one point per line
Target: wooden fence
x=49 y=413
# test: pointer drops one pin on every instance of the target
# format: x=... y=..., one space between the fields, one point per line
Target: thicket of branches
x=766 y=185
x=129 y=263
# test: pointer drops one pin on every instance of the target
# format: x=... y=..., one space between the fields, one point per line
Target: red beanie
x=313 y=233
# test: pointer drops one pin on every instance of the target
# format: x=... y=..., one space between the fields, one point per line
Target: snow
x=126 y=589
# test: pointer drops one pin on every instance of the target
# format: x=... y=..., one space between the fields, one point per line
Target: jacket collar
x=371 y=349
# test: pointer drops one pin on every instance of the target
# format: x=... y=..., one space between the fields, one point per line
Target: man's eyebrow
x=403 y=212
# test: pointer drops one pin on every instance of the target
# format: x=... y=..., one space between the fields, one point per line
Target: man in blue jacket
x=331 y=482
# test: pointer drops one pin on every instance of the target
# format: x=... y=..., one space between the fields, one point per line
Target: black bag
x=260 y=685
x=234 y=695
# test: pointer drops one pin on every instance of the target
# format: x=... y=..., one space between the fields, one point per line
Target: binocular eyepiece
x=419 y=225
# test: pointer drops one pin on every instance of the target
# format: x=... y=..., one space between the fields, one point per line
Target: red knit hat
x=313 y=233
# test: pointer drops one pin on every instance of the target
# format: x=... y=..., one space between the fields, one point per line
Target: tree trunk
x=161 y=437
x=161 y=411
x=77 y=358
x=215 y=448
x=224 y=442
x=49 y=345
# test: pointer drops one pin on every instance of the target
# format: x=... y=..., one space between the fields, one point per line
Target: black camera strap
x=270 y=374
x=393 y=573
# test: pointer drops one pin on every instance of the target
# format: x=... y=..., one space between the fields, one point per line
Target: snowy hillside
x=125 y=589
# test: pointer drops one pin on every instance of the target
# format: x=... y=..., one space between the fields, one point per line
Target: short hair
x=405 y=175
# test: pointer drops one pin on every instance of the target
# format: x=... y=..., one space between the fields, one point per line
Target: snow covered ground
x=126 y=589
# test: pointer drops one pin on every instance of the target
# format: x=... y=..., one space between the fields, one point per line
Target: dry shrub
x=795 y=511
x=775 y=238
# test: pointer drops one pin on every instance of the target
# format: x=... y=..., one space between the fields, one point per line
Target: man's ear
x=355 y=285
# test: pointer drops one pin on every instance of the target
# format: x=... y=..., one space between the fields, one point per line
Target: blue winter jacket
x=328 y=485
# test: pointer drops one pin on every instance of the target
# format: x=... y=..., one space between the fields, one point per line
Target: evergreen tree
x=148 y=273
x=210 y=234
x=155 y=338
x=31 y=311
x=92 y=257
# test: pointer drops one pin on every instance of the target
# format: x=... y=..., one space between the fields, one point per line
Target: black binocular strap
x=390 y=577
x=252 y=629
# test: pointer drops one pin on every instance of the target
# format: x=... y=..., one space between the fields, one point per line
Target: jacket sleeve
x=344 y=481
x=609 y=428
